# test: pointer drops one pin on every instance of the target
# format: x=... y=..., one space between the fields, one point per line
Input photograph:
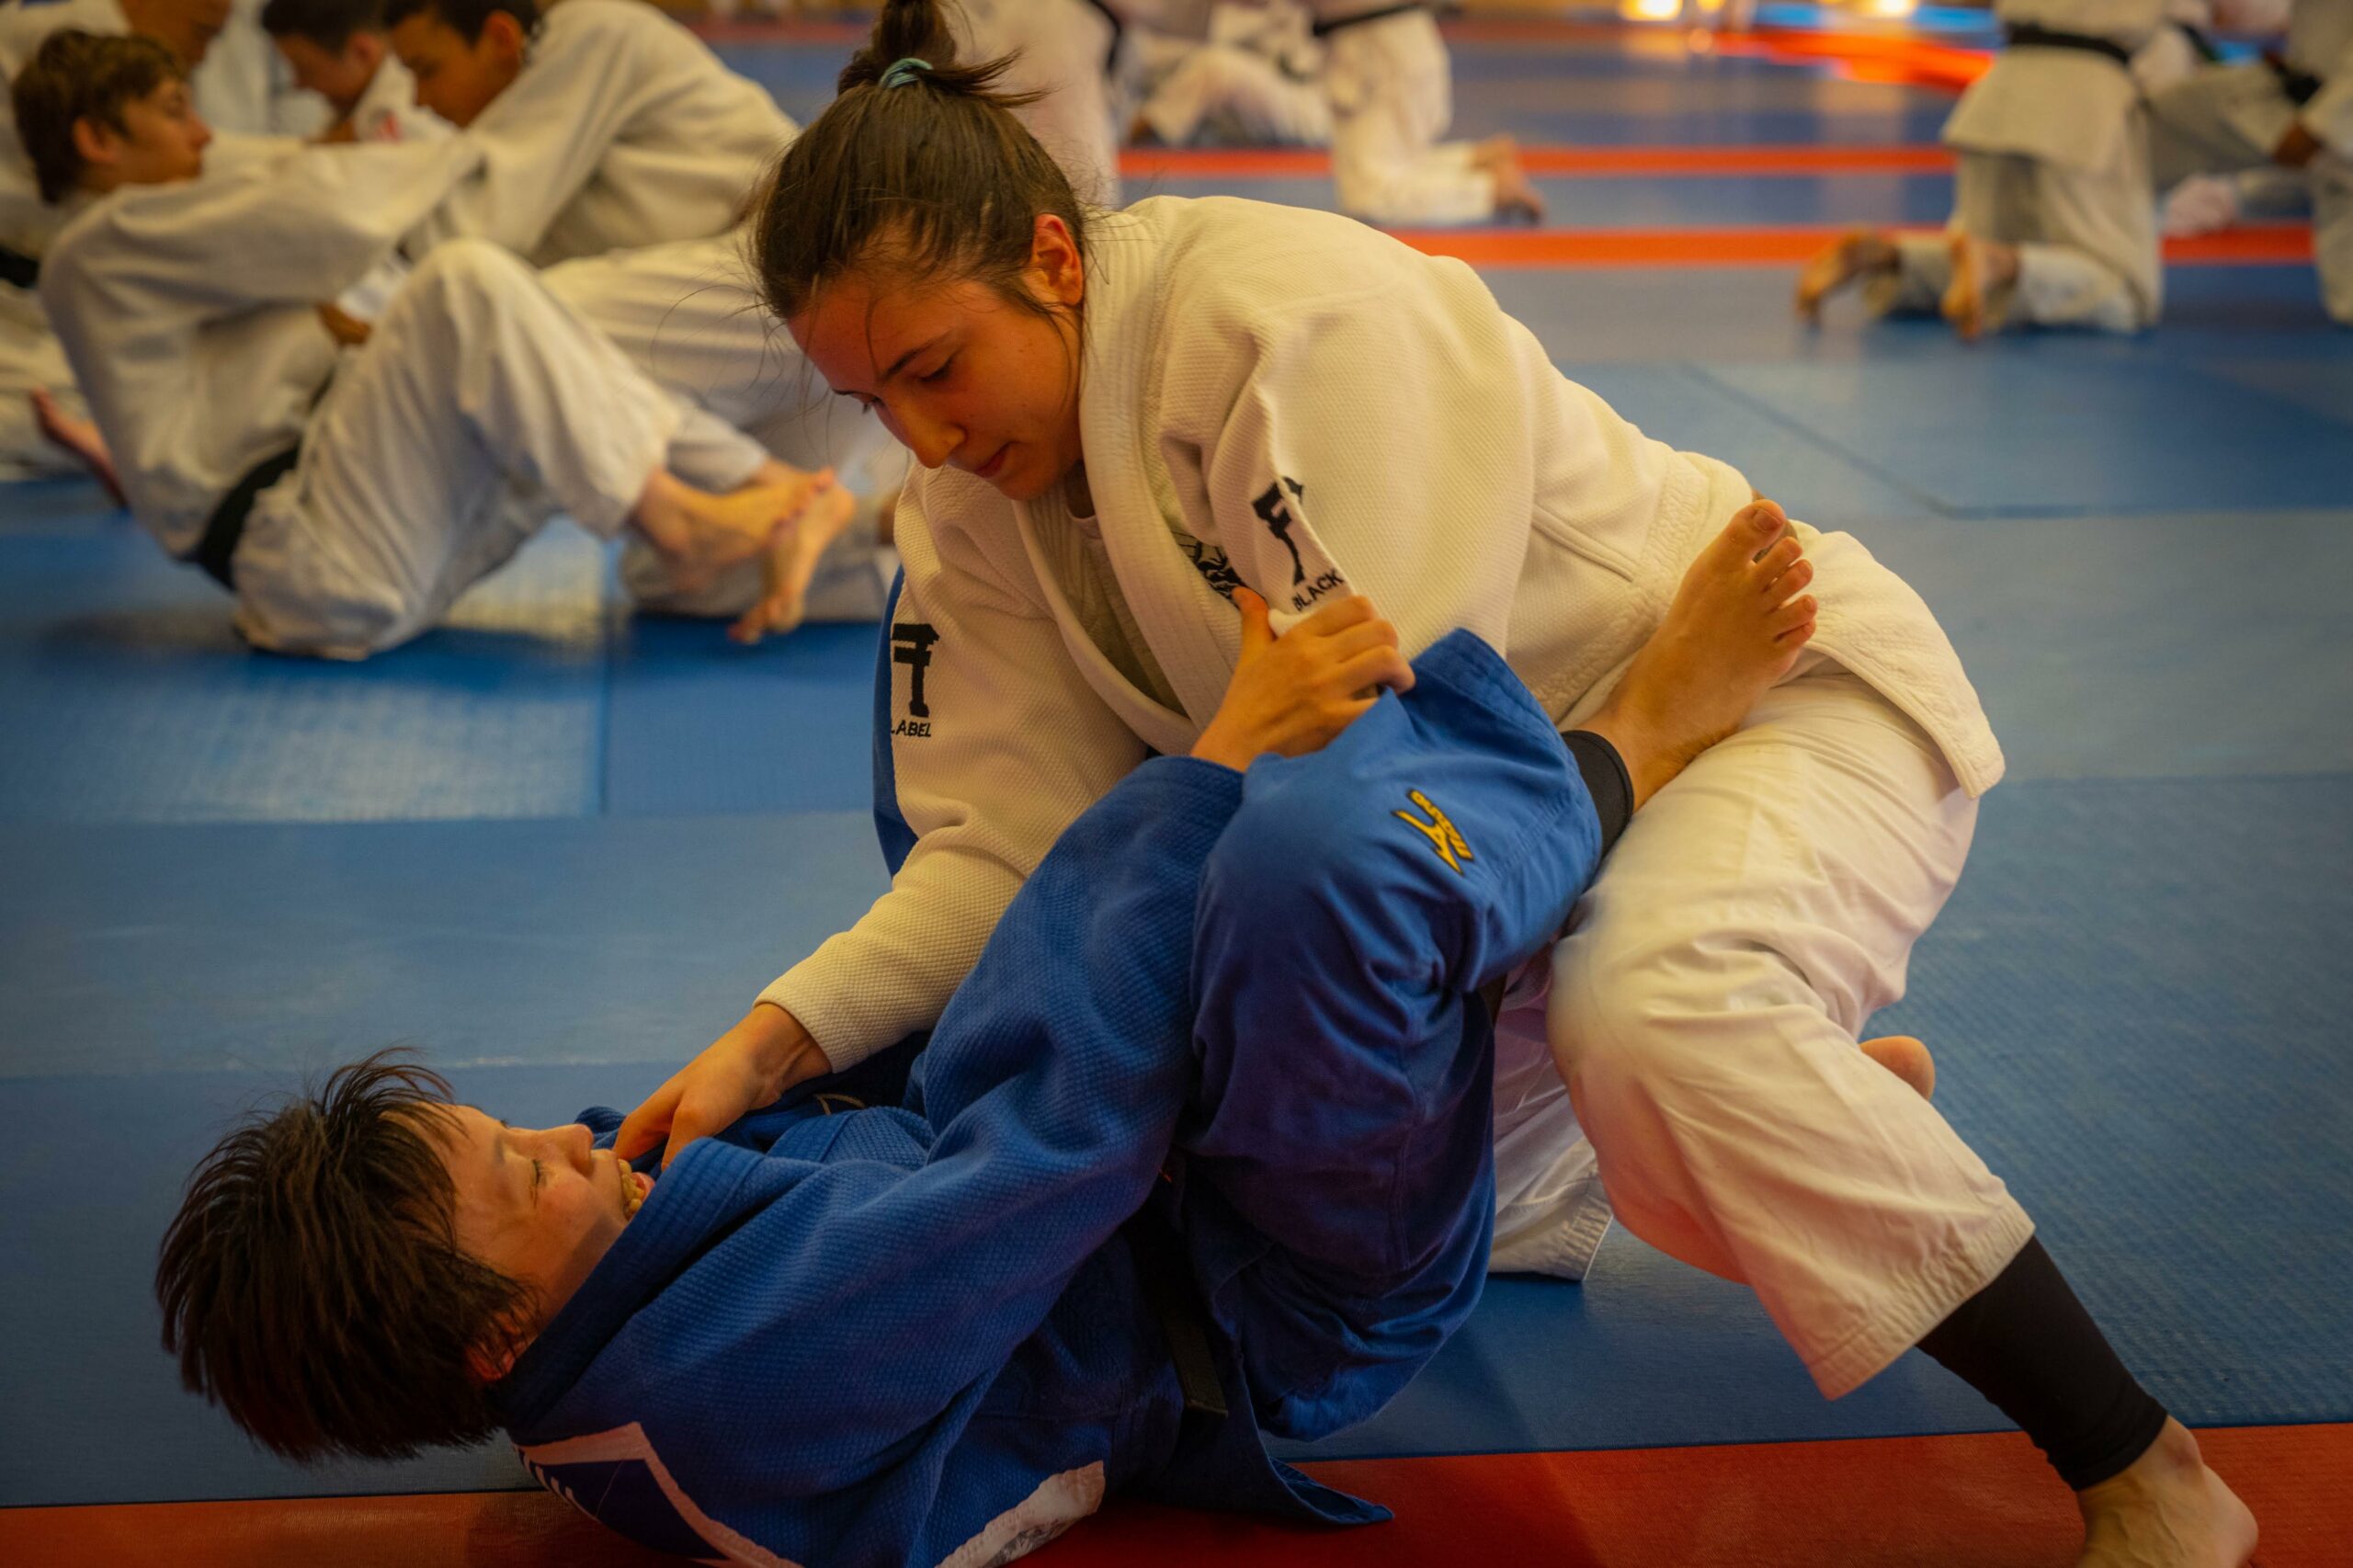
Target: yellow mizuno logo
x=1438 y=830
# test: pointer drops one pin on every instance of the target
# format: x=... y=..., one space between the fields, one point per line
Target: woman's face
x=959 y=374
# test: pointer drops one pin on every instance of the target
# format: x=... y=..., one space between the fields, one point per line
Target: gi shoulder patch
x=1277 y=507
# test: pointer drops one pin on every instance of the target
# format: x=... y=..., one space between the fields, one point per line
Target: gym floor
x=559 y=849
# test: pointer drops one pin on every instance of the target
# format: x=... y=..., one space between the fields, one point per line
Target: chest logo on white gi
x=1440 y=829
x=1279 y=513
x=911 y=645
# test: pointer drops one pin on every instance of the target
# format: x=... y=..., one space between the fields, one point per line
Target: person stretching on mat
x=1121 y=418
x=1160 y=1184
x=346 y=499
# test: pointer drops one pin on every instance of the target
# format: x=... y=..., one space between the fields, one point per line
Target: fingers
x=1337 y=616
x=1257 y=631
x=649 y=1122
x=1378 y=667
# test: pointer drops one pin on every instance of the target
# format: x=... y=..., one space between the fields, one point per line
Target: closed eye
x=940 y=374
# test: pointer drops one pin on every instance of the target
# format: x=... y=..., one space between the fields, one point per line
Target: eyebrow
x=899 y=364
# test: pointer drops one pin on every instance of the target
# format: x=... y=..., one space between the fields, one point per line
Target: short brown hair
x=75 y=76
x=934 y=166
x=312 y=1285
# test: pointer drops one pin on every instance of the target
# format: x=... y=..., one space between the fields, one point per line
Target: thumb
x=1257 y=631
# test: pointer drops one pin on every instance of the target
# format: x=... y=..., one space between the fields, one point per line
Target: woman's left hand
x=1293 y=694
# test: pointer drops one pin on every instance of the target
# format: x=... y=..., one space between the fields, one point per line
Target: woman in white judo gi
x=347 y=505
x=2052 y=223
x=1120 y=418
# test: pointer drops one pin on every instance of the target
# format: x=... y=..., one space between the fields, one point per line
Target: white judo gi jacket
x=1291 y=400
x=2067 y=106
x=388 y=111
x=2320 y=43
x=622 y=131
x=189 y=313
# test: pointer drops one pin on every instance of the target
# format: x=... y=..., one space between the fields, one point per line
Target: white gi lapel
x=1191 y=626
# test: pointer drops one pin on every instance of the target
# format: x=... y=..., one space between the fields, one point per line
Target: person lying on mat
x=1160 y=1186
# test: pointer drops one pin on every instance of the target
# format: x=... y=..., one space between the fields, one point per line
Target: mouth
x=995 y=465
x=635 y=1188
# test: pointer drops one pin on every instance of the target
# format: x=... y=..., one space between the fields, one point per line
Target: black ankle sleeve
x=2025 y=1342
x=1606 y=779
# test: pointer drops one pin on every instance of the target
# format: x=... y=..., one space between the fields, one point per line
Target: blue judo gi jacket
x=917 y=1334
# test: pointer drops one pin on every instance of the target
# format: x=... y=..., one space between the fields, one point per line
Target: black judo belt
x=17 y=270
x=1342 y=24
x=2301 y=86
x=2201 y=43
x=1166 y=1277
x=2026 y=35
x=1119 y=31
x=226 y=528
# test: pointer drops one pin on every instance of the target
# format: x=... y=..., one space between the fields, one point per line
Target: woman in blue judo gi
x=1200 y=1152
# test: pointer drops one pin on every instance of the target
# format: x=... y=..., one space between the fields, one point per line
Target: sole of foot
x=2166 y=1510
x=80 y=438
x=1854 y=254
x=1737 y=622
x=1964 y=306
x=790 y=565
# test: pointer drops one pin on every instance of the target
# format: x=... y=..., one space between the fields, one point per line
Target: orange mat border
x=2256 y=245
x=1575 y=163
x=1974 y=1501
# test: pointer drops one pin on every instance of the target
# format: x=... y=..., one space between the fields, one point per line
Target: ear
x=366 y=50
x=503 y=35
x=1056 y=267
x=489 y=1362
x=97 y=144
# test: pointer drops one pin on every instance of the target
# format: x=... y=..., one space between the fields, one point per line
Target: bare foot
x=1856 y=255
x=1979 y=267
x=1738 y=620
x=2167 y=1510
x=1907 y=1058
x=1516 y=197
x=1494 y=153
x=700 y=535
x=789 y=565
x=81 y=438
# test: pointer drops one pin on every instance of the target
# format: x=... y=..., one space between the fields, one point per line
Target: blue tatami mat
x=136 y=949
x=2147 y=647
x=698 y=724
x=1995 y=432
x=2136 y=997
x=127 y=697
x=1691 y=411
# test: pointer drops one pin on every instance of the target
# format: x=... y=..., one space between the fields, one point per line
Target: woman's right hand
x=751 y=1065
x=1293 y=694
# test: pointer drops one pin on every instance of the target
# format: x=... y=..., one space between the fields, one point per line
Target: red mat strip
x=1981 y=1501
x=2265 y=243
x=1578 y=163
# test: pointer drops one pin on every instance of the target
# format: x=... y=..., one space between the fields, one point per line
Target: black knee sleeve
x=2025 y=1342
x=1606 y=779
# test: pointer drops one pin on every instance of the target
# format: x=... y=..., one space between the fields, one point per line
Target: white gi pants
x=1704 y=1013
x=2086 y=241
x=687 y=316
x=1239 y=97
x=2229 y=117
x=1061 y=49
x=1392 y=96
x=31 y=358
x=479 y=407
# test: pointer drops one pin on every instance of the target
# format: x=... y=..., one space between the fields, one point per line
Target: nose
x=204 y=135
x=931 y=440
x=577 y=1145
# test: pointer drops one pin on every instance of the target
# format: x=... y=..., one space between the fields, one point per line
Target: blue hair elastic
x=903 y=72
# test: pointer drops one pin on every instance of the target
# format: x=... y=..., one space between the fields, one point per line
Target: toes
x=1800 y=573
x=1797 y=612
x=1777 y=560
